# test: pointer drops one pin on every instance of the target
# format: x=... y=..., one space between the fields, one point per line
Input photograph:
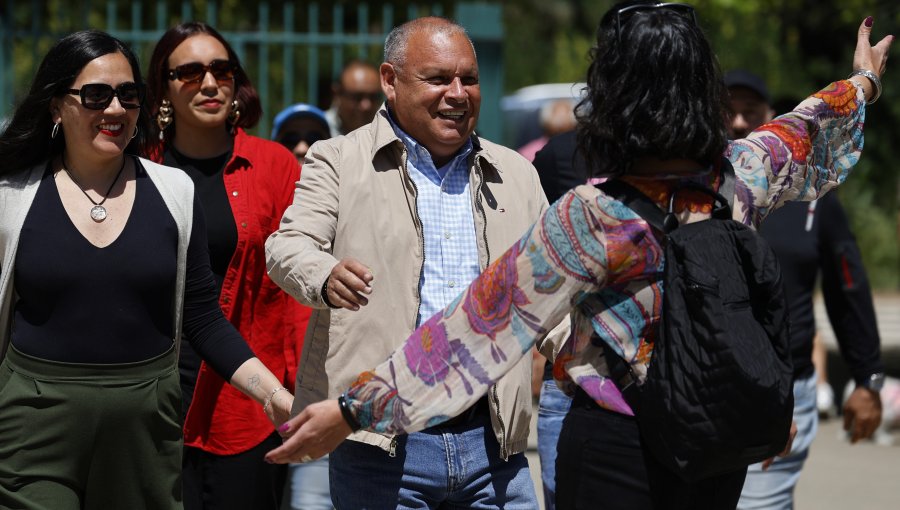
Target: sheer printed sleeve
x=799 y=155
x=451 y=360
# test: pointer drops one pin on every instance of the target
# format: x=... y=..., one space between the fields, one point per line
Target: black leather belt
x=480 y=408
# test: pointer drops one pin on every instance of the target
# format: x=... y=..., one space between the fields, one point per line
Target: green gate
x=291 y=50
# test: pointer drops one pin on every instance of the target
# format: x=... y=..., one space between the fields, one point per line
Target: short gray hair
x=396 y=43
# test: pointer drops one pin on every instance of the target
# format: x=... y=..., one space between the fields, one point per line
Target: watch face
x=875 y=382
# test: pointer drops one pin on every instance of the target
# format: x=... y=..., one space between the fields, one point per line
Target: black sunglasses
x=292 y=138
x=683 y=9
x=98 y=96
x=222 y=70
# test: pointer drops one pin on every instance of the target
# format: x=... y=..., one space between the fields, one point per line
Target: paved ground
x=838 y=475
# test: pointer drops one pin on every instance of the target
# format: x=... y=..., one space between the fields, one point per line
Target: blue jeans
x=773 y=489
x=440 y=467
x=552 y=408
x=307 y=486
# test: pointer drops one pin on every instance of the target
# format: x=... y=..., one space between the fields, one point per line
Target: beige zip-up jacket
x=356 y=199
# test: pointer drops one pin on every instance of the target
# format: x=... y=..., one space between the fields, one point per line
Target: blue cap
x=299 y=110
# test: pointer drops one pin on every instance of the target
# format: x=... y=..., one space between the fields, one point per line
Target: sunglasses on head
x=683 y=9
x=222 y=70
x=98 y=96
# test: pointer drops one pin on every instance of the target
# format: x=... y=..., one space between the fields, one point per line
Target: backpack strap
x=667 y=222
x=637 y=202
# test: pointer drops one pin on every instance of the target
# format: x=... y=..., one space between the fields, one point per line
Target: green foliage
x=798 y=46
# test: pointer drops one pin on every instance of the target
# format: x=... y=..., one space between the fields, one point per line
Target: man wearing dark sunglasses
x=299 y=126
x=356 y=97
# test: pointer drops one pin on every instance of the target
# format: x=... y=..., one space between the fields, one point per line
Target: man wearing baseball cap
x=750 y=101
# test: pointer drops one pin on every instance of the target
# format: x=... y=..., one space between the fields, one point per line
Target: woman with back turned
x=657 y=120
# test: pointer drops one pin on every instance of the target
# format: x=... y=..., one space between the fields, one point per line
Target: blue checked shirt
x=444 y=204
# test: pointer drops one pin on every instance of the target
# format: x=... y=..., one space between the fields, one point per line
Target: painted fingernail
x=868 y=21
x=269 y=461
x=284 y=427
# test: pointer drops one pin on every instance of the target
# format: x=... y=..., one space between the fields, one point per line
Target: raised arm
x=806 y=152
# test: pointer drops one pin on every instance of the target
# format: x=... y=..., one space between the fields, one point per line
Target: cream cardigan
x=17 y=193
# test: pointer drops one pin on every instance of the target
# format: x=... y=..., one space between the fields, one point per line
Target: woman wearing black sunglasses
x=202 y=101
x=103 y=267
x=656 y=120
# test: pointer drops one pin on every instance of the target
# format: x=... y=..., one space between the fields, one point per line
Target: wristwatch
x=874 y=382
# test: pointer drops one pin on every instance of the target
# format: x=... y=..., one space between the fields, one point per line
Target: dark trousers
x=78 y=436
x=601 y=463
x=240 y=482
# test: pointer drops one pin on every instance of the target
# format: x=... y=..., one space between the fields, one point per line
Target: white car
x=521 y=109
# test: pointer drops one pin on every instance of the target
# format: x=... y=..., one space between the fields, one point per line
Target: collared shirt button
x=446 y=235
x=234 y=193
x=451 y=283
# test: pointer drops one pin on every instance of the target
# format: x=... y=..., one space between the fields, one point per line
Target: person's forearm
x=253 y=379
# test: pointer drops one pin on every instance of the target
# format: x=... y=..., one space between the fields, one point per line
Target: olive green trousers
x=84 y=436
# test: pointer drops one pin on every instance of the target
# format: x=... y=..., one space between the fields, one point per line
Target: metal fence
x=292 y=51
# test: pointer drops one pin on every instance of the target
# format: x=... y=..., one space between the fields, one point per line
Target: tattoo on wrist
x=253 y=382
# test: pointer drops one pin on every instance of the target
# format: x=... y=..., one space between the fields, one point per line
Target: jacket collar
x=385 y=136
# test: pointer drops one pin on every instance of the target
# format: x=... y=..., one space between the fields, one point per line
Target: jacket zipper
x=421 y=234
x=392 y=448
x=392 y=451
x=504 y=454
x=494 y=396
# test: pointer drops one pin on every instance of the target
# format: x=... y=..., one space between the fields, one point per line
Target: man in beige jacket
x=389 y=224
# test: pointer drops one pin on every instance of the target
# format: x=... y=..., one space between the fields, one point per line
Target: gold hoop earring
x=235 y=115
x=163 y=118
x=135 y=133
x=55 y=130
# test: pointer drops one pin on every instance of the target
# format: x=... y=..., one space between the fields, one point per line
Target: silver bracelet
x=872 y=78
x=268 y=401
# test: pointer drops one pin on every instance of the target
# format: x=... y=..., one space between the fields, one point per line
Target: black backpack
x=718 y=394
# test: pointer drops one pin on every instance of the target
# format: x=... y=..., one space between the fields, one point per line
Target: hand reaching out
x=316 y=431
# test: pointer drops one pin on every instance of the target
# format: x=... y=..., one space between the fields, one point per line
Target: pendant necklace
x=98 y=212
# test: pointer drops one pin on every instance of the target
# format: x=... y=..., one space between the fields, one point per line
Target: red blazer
x=259 y=179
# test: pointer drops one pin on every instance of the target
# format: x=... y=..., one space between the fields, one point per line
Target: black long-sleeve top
x=815 y=238
x=83 y=304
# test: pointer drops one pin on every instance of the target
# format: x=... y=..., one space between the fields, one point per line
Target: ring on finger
x=306 y=458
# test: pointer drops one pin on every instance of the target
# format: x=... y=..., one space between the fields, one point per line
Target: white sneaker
x=825 y=400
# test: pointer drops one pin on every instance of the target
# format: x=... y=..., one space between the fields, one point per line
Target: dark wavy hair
x=158 y=75
x=26 y=140
x=653 y=89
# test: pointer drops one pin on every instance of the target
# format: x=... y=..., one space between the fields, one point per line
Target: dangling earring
x=234 y=115
x=55 y=130
x=163 y=118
